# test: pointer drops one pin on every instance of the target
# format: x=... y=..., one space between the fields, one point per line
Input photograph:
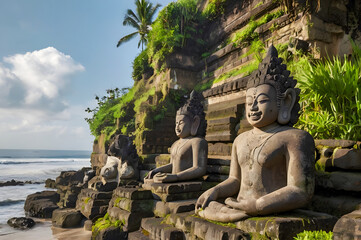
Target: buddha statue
x=272 y=165
x=188 y=154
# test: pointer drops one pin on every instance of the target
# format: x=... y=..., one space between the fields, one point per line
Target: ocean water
x=35 y=166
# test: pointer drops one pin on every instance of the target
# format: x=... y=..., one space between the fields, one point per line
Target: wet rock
x=50 y=183
x=21 y=222
x=41 y=204
x=67 y=218
x=11 y=183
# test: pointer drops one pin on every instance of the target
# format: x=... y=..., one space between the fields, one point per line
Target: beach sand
x=43 y=230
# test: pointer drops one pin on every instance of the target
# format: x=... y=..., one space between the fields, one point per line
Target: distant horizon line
x=37 y=149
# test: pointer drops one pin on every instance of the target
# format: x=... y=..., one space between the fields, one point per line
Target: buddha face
x=261 y=105
x=183 y=126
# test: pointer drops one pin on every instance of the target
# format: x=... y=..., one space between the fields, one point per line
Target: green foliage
x=314 y=235
x=141 y=65
x=247 y=34
x=331 y=98
x=214 y=9
x=174 y=25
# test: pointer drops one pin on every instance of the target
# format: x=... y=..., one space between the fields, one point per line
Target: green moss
x=230 y=225
x=214 y=9
x=87 y=200
x=104 y=223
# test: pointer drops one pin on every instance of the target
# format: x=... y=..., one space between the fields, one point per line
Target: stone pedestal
x=129 y=206
x=92 y=203
x=174 y=197
x=348 y=227
x=287 y=225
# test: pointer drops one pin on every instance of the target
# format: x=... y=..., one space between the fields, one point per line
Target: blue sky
x=55 y=56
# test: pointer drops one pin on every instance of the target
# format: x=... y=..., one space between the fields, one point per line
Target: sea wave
x=9 y=202
x=39 y=161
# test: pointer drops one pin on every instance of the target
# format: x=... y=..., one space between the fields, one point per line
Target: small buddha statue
x=189 y=153
x=272 y=165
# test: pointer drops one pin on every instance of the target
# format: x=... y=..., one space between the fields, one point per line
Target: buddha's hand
x=247 y=205
x=165 y=177
x=151 y=174
x=206 y=198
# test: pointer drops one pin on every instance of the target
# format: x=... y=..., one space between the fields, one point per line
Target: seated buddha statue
x=272 y=165
x=188 y=154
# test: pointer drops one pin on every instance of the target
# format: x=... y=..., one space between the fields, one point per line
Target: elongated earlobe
x=195 y=125
x=287 y=104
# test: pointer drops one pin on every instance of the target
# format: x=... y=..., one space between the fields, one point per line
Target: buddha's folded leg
x=219 y=212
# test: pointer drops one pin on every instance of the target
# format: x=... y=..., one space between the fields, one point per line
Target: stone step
x=233 y=111
x=221 y=136
x=344 y=181
x=160 y=231
x=337 y=205
x=219 y=160
x=131 y=220
x=173 y=188
x=133 y=205
x=138 y=235
x=133 y=193
x=162 y=209
x=217 y=169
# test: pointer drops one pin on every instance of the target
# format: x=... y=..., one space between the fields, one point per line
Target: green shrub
x=331 y=98
x=141 y=65
x=314 y=235
x=174 y=25
x=214 y=9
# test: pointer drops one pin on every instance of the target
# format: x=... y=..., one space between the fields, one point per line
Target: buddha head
x=190 y=119
x=271 y=94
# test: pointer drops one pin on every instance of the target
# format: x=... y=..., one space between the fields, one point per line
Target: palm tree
x=141 y=20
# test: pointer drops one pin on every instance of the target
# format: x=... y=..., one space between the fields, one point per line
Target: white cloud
x=34 y=111
x=36 y=79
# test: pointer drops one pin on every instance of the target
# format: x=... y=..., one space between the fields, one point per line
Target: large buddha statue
x=272 y=165
x=189 y=153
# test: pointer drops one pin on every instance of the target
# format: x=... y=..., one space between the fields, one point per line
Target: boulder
x=21 y=223
x=41 y=204
x=50 y=183
x=348 y=226
x=67 y=218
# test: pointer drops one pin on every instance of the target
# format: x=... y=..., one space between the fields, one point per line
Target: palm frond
x=131 y=14
x=131 y=22
x=127 y=38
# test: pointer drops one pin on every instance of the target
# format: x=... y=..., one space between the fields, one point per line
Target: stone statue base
x=174 y=197
x=283 y=226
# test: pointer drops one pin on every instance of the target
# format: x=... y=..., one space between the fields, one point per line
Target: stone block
x=110 y=233
x=66 y=218
x=161 y=209
x=346 y=181
x=203 y=229
x=348 y=226
x=218 y=169
x=133 y=193
x=335 y=205
x=287 y=225
x=347 y=159
x=176 y=196
x=91 y=212
x=173 y=188
x=215 y=177
x=134 y=205
x=333 y=143
x=137 y=235
x=99 y=186
x=221 y=136
x=41 y=204
x=131 y=220
x=220 y=149
x=214 y=160
x=162 y=159
x=159 y=230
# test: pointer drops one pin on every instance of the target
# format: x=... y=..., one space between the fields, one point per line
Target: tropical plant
x=331 y=97
x=174 y=25
x=314 y=235
x=140 y=20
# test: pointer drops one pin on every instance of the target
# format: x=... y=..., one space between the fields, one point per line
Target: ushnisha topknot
x=194 y=107
x=271 y=71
